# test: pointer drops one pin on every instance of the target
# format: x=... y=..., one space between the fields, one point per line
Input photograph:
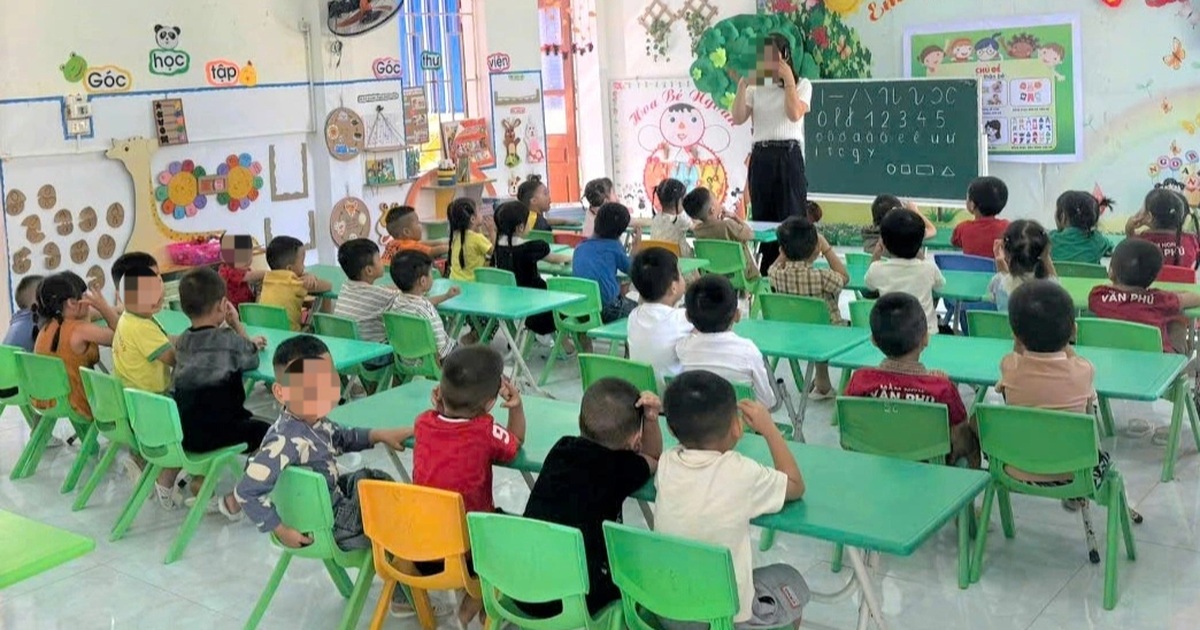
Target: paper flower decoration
x=242 y=181
x=179 y=189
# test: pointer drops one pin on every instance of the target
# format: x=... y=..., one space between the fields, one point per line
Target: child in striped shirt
x=411 y=271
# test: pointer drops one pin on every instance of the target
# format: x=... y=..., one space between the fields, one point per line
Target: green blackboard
x=914 y=138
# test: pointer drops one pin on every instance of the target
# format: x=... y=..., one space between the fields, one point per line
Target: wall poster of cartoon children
x=667 y=128
x=518 y=128
x=1030 y=69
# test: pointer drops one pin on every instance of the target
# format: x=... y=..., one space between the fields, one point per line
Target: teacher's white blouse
x=769 y=113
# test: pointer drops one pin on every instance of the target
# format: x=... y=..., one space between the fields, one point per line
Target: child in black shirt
x=521 y=257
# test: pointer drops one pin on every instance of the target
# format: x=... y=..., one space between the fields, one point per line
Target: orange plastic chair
x=1171 y=273
x=406 y=524
x=570 y=239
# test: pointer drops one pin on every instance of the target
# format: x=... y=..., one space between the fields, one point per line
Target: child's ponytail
x=52 y=297
x=1169 y=209
x=1078 y=209
x=459 y=214
x=670 y=192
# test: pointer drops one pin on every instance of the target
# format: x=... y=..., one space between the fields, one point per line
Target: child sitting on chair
x=237 y=254
x=671 y=224
x=902 y=235
x=709 y=492
x=600 y=258
x=986 y=198
x=657 y=325
x=880 y=207
x=1134 y=266
x=712 y=307
x=458 y=441
x=1165 y=212
x=286 y=285
x=63 y=329
x=520 y=256
x=711 y=224
x=471 y=239
x=1022 y=255
x=404 y=226
x=1076 y=214
x=21 y=327
x=412 y=272
x=585 y=480
x=361 y=299
x=898 y=329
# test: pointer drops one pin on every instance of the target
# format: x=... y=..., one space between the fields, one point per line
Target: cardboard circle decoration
x=350 y=220
x=348 y=18
x=344 y=134
x=47 y=197
x=14 y=202
x=87 y=219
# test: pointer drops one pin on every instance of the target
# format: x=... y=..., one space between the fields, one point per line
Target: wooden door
x=558 y=81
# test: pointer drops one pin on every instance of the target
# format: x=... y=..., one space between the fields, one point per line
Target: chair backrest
x=44 y=378
x=672 y=577
x=529 y=561
x=301 y=497
x=417 y=524
x=725 y=258
x=411 y=336
x=570 y=239
x=671 y=246
x=593 y=367
x=1172 y=273
x=1067 y=269
x=172 y=320
x=916 y=431
x=10 y=377
x=858 y=259
x=1042 y=442
x=436 y=230
x=155 y=423
x=264 y=315
x=577 y=316
x=963 y=262
x=1114 y=333
x=989 y=324
x=545 y=236
x=860 y=313
x=498 y=277
x=328 y=325
x=106 y=396
x=794 y=308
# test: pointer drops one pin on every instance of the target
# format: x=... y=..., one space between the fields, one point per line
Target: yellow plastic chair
x=670 y=246
x=409 y=524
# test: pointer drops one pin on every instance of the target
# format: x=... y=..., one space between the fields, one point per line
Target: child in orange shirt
x=404 y=227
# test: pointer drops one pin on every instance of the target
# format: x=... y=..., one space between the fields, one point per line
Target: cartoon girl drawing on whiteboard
x=988 y=48
x=1052 y=55
x=931 y=58
x=960 y=50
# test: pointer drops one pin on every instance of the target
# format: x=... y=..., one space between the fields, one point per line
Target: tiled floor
x=1041 y=580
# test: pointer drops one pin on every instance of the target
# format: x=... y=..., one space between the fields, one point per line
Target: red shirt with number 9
x=457 y=454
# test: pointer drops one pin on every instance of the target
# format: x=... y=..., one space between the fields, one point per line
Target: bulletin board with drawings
x=518 y=128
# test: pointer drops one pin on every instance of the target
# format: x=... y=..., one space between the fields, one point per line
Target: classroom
x=562 y=314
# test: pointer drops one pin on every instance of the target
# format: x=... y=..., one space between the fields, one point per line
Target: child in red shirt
x=458 y=441
x=900 y=330
x=1166 y=212
x=237 y=254
x=986 y=198
x=1135 y=264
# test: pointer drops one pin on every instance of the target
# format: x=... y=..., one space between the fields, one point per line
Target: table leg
x=528 y=477
x=1178 y=402
x=798 y=422
x=964 y=545
x=647 y=513
x=520 y=368
x=871 y=604
x=400 y=469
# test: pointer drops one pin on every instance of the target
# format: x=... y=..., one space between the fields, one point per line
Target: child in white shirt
x=672 y=223
x=902 y=236
x=656 y=326
x=712 y=307
x=709 y=492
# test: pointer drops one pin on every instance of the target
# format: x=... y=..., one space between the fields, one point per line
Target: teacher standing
x=775 y=100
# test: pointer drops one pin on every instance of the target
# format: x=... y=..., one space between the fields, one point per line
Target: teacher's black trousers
x=778 y=188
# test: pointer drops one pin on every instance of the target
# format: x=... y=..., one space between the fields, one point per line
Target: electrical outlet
x=79 y=110
x=81 y=127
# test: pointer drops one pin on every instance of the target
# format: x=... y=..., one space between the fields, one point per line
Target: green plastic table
x=812 y=343
x=895 y=505
x=1121 y=374
x=28 y=547
x=968 y=286
x=346 y=353
x=941 y=240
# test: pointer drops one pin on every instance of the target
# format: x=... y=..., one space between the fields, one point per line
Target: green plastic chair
x=573 y=320
x=860 y=313
x=1066 y=269
x=10 y=385
x=593 y=367
x=436 y=230
x=264 y=315
x=1048 y=442
x=541 y=235
x=728 y=258
x=534 y=561
x=798 y=309
x=301 y=498
x=345 y=328
x=858 y=259
x=989 y=325
x=106 y=395
x=44 y=378
x=670 y=577
x=414 y=345
x=155 y=422
x=500 y=278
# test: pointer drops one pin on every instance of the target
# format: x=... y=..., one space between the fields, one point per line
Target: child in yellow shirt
x=469 y=248
x=286 y=285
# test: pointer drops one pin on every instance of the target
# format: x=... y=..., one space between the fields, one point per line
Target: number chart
x=915 y=138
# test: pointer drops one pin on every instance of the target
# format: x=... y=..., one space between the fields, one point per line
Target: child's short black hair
x=700 y=407
x=356 y=255
x=408 y=267
x=1136 y=262
x=471 y=377
x=282 y=251
x=528 y=189
x=130 y=259
x=797 y=238
x=596 y=191
x=608 y=414
x=989 y=194
x=882 y=205
x=697 y=204
x=813 y=211
x=26 y=291
x=200 y=290
x=1042 y=315
x=711 y=304
x=130 y=275
x=653 y=271
x=396 y=217
x=241 y=241
x=611 y=220
x=294 y=351
x=903 y=234
x=898 y=324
